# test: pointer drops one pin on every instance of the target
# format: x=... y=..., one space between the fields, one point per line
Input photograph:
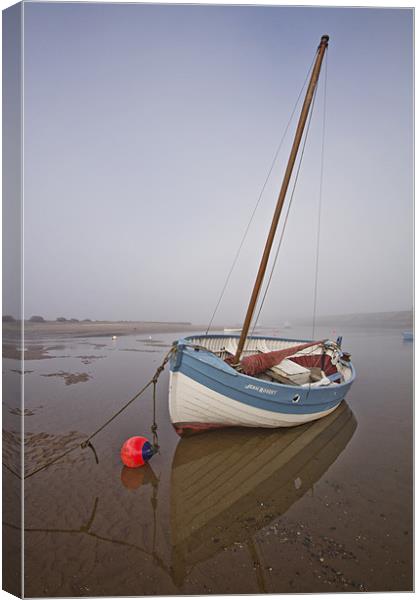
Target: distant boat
x=408 y=336
x=227 y=486
x=253 y=381
x=287 y=325
x=232 y=329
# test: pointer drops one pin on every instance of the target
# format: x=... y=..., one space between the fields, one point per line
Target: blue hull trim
x=207 y=369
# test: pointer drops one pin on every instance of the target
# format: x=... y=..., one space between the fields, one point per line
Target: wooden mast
x=295 y=147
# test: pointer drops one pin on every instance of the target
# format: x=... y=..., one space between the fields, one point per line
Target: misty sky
x=149 y=131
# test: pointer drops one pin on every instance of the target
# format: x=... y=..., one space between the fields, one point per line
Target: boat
x=226 y=380
x=228 y=486
x=408 y=336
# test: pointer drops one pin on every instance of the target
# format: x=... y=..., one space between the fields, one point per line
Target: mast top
x=324 y=40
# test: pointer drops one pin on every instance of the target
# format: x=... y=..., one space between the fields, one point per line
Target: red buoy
x=136 y=451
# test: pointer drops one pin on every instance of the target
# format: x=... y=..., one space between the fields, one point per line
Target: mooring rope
x=87 y=442
x=154 y=427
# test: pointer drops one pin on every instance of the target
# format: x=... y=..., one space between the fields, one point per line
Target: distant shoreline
x=402 y=319
x=35 y=330
x=96 y=328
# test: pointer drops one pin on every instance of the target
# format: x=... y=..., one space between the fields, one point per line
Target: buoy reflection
x=132 y=479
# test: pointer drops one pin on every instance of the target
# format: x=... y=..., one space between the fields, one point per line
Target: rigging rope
x=321 y=181
x=235 y=260
x=287 y=215
x=288 y=211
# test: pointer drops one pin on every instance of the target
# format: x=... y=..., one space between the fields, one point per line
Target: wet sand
x=318 y=508
x=50 y=330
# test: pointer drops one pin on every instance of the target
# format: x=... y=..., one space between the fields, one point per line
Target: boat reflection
x=229 y=484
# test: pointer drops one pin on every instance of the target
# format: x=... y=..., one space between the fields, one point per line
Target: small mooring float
x=254 y=381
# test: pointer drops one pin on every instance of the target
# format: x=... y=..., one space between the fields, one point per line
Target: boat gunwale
x=280 y=386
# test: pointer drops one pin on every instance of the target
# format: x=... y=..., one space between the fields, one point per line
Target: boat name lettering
x=263 y=390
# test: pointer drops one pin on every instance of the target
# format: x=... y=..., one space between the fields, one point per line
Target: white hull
x=192 y=402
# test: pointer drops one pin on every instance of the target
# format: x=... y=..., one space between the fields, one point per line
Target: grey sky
x=149 y=131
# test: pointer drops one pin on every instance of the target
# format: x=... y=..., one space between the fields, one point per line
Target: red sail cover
x=258 y=363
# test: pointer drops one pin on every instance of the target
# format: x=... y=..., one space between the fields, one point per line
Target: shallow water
x=321 y=507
